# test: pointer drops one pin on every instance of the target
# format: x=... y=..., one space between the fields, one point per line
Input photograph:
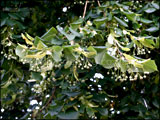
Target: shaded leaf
x=150 y=10
x=149 y=66
x=152 y=29
x=68 y=115
x=108 y=61
x=49 y=33
x=121 y=22
x=143 y=20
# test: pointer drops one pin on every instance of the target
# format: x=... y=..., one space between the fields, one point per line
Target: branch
x=49 y=101
x=85 y=7
x=98 y=3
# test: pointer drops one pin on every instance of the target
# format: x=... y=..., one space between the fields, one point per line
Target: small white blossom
x=9 y=44
x=64 y=9
x=124 y=32
x=91 y=79
x=98 y=75
x=40 y=103
x=92 y=89
x=32 y=102
x=94 y=32
x=2 y=110
x=47 y=96
x=37 y=107
x=29 y=110
x=113 y=112
x=48 y=52
x=89 y=23
x=99 y=86
x=118 y=112
x=111 y=109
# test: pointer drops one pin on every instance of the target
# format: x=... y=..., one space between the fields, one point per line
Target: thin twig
x=98 y=3
x=85 y=7
x=49 y=101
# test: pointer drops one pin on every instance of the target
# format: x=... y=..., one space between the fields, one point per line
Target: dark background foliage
x=136 y=100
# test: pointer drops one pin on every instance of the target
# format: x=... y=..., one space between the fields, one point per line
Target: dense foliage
x=105 y=65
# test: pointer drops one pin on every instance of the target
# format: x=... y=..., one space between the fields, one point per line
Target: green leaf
x=69 y=52
x=12 y=100
x=36 y=41
x=99 y=56
x=10 y=22
x=13 y=15
x=68 y=115
x=74 y=32
x=150 y=10
x=6 y=84
x=3 y=21
x=157 y=45
x=133 y=61
x=36 y=75
x=37 y=55
x=131 y=16
x=102 y=111
x=57 y=53
x=119 y=32
x=122 y=65
x=92 y=52
x=155 y=5
x=143 y=20
x=52 y=31
x=20 y=25
x=121 y=22
x=149 y=66
x=99 y=22
x=152 y=29
x=90 y=111
x=125 y=49
x=68 y=36
x=39 y=44
x=147 y=42
x=55 y=110
x=68 y=64
x=156 y=103
x=60 y=29
x=72 y=94
x=108 y=61
x=21 y=51
x=26 y=39
x=77 y=23
x=18 y=72
x=29 y=37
